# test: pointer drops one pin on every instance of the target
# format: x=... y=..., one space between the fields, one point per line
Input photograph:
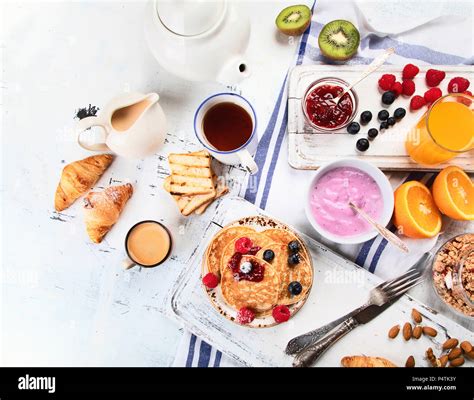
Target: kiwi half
x=339 y=40
x=294 y=20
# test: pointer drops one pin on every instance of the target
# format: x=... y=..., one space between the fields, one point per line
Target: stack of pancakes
x=261 y=296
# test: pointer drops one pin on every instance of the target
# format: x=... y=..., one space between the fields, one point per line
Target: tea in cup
x=225 y=124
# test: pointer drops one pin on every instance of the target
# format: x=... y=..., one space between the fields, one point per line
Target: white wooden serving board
x=309 y=149
x=339 y=286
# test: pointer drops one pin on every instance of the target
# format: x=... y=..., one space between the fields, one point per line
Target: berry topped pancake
x=257 y=272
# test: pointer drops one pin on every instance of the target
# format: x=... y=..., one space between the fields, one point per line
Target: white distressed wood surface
x=339 y=286
x=64 y=300
x=309 y=149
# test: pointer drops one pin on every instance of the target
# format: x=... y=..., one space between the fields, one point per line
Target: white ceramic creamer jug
x=132 y=125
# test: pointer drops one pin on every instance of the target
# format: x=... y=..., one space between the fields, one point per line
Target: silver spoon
x=373 y=66
x=391 y=237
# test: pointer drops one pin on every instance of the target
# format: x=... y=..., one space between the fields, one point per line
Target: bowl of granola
x=453 y=273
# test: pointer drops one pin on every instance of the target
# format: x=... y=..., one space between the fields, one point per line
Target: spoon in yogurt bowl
x=391 y=237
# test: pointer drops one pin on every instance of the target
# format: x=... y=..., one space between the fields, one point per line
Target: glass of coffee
x=225 y=124
x=148 y=244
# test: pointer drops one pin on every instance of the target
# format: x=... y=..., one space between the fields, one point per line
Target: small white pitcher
x=244 y=154
x=137 y=136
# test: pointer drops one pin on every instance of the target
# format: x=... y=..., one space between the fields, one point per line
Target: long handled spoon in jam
x=373 y=66
x=391 y=237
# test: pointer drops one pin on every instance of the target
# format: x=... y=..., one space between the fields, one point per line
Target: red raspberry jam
x=324 y=113
x=256 y=275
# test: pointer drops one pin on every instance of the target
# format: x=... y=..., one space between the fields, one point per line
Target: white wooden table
x=66 y=301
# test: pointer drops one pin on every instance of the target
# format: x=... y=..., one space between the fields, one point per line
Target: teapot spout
x=234 y=71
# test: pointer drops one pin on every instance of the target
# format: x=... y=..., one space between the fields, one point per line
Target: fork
x=376 y=296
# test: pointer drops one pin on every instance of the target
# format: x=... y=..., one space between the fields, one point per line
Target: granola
x=459 y=249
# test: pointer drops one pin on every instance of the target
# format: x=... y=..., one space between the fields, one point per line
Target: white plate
x=309 y=149
x=338 y=287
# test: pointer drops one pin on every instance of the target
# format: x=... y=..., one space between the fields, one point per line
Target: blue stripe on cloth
x=378 y=253
x=413 y=51
x=264 y=144
x=304 y=40
x=217 y=359
x=204 y=354
x=314 y=54
x=276 y=152
x=262 y=148
x=192 y=344
x=364 y=252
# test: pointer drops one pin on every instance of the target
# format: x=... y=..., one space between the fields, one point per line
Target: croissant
x=364 y=361
x=78 y=177
x=102 y=210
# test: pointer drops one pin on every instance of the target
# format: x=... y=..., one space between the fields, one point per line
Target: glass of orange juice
x=444 y=131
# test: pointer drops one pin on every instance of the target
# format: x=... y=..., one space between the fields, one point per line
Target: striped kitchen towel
x=421 y=33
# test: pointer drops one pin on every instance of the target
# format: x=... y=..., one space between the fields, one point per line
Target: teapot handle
x=87 y=123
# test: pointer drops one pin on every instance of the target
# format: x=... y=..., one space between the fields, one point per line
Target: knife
x=311 y=353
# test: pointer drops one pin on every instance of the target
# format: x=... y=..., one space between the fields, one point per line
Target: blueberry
x=399 y=113
x=294 y=246
x=246 y=267
x=294 y=259
x=383 y=115
x=268 y=255
x=388 y=97
x=391 y=121
x=295 y=288
x=384 y=125
x=372 y=133
x=353 y=128
x=362 y=144
x=365 y=117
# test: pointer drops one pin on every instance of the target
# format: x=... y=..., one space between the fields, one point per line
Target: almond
x=454 y=353
x=450 y=343
x=415 y=314
x=470 y=355
x=407 y=331
x=466 y=346
x=429 y=331
x=393 y=332
x=417 y=331
x=410 y=363
x=443 y=360
x=457 y=362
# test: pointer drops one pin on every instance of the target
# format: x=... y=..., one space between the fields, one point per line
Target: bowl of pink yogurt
x=340 y=182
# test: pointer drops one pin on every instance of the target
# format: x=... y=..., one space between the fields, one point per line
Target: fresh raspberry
x=417 y=102
x=433 y=94
x=397 y=88
x=408 y=87
x=410 y=71
x=243 y=245
x=468 y=92
x=458 y=85
x=434 y=77
x=245 y=316
x=210 y=280
x=386 y=81
x=281 y=314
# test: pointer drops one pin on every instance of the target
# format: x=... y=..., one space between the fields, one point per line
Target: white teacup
x=242 y=155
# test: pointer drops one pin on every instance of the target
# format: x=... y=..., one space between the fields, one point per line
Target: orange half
x=416 y=214
x=453 y=193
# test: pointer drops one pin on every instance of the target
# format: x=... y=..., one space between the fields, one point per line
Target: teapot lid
x=190 y=17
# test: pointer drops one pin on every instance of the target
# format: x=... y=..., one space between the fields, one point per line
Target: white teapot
x=132 y=125
x=199 y=40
